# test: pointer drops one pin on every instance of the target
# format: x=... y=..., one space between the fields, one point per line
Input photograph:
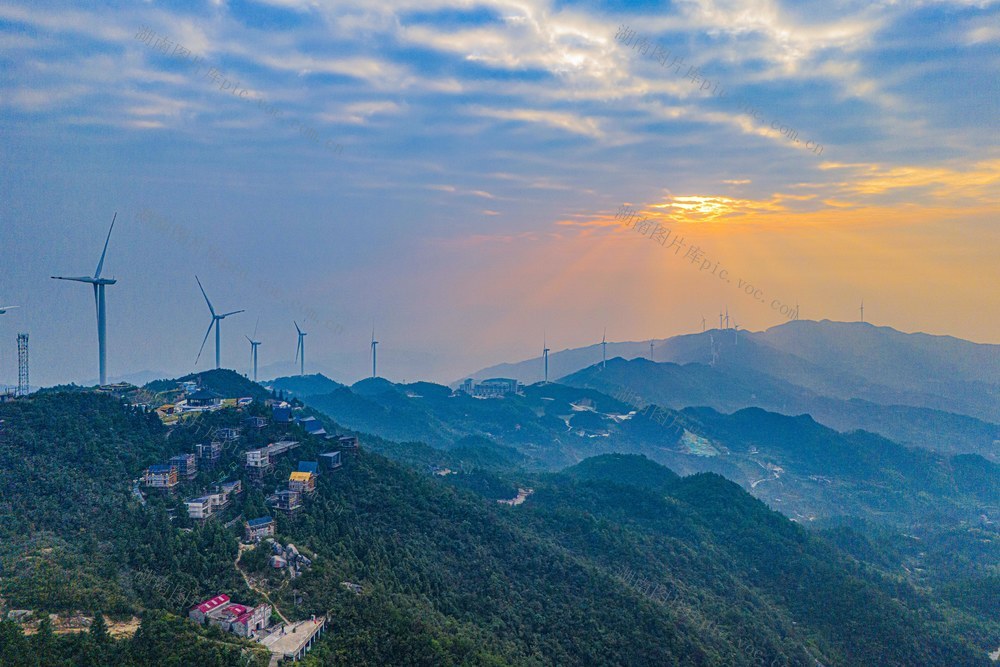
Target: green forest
x=615 y=560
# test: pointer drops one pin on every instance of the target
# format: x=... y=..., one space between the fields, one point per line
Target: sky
x=469 y=177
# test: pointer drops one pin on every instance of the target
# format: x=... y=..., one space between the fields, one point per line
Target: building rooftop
x=209 y=605
x=299 y=476
x=261 y=521
x=309 y=466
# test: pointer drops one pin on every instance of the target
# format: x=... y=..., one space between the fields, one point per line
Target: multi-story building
x=287 y=501
x=160 y=477
x=209 y=453
x=302 y=482
x=203 y=507
x=186 y=464
x=257 y=529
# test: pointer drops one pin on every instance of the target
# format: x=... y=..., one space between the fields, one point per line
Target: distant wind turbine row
x=100 y=283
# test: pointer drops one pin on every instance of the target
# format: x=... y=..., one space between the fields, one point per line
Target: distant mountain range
x=837 y=359
x=938 y=392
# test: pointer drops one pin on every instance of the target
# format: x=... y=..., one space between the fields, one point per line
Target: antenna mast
x=22 y=364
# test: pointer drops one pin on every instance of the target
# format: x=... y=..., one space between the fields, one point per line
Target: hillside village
x=249 y=443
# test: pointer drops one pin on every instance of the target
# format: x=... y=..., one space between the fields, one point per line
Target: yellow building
x=303 y=482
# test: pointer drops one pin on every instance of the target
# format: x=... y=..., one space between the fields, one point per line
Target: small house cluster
x=231 y=617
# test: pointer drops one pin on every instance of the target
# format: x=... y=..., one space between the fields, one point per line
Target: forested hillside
x=615 y=561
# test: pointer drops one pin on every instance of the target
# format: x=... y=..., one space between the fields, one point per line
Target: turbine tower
x=720 y=319
x=300 y=349
x=727 y=317
x=545 y=357
x=253 y=349
x=862 y=310
x=374 y=352
x=650 y=350
x=703 y=324
x=99 y=284
x=604 y=349
x=216 y=319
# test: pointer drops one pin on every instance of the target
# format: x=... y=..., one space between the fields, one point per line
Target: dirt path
x=236 y=564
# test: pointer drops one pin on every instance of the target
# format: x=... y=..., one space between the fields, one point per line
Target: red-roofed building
x=254 y=620
x=199 y=612
x=232 y=617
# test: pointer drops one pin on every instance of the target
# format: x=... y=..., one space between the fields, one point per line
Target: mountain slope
x=448 y=577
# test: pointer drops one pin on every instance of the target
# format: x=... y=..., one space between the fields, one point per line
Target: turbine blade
x=97 y=303
x=297 y=348
x=248 y=338
x=205 y=295
x=297 y=327
x=255 y=328
x=100 y=265
x=79 y=279
x=232 y=313
x=202 y=348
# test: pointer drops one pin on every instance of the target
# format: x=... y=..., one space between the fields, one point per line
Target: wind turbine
x=727 y=317
x=99 y=284
x=720 y=319
x=862 y=310
x=300 y=349
x=216 y=319
x=736 y=328
x=374 y=352
x=650 y=350
x=604 y=349
x=253 y=349
x=703 y=324
x=545 y=357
